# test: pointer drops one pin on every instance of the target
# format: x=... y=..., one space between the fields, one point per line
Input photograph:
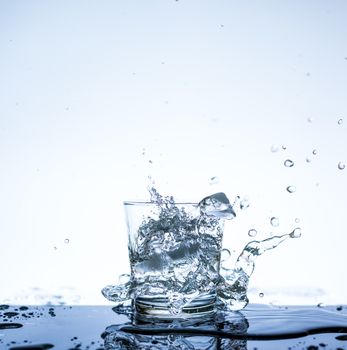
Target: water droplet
x=308 y=160
x=244 y=204
x=340 y=121
x=291 y=189
x=274 y=148
x=314 y=152
x=66 y=240
x=320 y=305
x=297 y=220
x=252 y=232
x=296 y=233
x=261 y=295
x=288 y=163
x=214 y=180
x=341 y=165
x=310 y=119
x=284 y=147
x=55 y=248
x=275 y=222
x=150 y=162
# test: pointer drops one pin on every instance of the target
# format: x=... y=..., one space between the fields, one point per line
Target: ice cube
x=217 y=205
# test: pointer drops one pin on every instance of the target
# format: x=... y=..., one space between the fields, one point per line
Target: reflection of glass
x=174 y=258
x=178 y=334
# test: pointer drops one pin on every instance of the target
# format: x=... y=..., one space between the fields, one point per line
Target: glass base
x=149 y=307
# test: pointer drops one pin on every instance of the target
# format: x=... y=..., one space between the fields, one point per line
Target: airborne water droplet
x=296 y=233
x=310 y=119
x=261 y=295
x=244 y=204
x=274 y=148
x=225 y=254
x=284 y=147
x=291 y=189
x=308 y=160
x=214 y=180
x=314 y=152
x=66 y=240
x=288 y=163
x=341 y=165
x=297 y=220
x=252 y=232
x=275 y=222
x=340 y=121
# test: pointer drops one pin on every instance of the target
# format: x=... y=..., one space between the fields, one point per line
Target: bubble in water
x=288 y=163
x=341 y=165
x=214 y=180
x=296 y=233
x=314 y=152
x=66 y=240
x=261 y=295
x=274 y=221
x=252 y=232
x=291 y=189
x=274 y=148
x=340 y=121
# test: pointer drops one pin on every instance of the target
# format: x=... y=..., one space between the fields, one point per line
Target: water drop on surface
x=66 y=241
x=274 y=222
x=340 y=121
x=288 y=163
x=291 y=189
x=341 y=165
x=261 y=295
x=296 y=233
x=252 y=232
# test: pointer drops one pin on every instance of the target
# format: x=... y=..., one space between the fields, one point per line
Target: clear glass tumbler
x=174 y=254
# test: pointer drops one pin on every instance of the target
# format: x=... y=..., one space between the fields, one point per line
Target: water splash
x=181 y=253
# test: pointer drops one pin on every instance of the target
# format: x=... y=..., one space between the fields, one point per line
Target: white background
x=203 y=88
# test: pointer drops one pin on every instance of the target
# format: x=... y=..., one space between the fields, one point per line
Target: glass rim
x=151 y=203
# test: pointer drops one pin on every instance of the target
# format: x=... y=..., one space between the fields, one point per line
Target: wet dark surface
x=26 y=327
